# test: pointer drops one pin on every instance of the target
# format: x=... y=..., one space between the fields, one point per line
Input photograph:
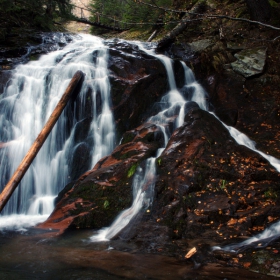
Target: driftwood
x=31 y=154
x=170 y=37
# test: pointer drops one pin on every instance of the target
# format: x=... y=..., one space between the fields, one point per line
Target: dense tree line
x=40 y=14
x=118 y=12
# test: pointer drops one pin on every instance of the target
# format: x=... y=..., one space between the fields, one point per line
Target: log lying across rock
x=170 y=37
x=31 y=154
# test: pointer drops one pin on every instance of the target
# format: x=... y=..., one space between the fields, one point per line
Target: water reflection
x=34 y=256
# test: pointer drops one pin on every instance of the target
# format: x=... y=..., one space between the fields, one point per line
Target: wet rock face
x=250 y=105
x=99 y=195
x=137 y=82
x=209 y=182
x=206 y=185
x=5 y=76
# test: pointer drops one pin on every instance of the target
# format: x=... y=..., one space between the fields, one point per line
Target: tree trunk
x=49 y=9
x=260 y=10
x=31 y=154
x=168 y=39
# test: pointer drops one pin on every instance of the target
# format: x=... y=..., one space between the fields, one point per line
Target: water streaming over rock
x=85 y=128
x=174 y=101
x=144 y=180
x=30 y=97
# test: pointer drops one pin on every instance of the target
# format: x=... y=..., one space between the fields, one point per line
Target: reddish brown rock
x=209 y=181
x=99 y=195
x=137 y=81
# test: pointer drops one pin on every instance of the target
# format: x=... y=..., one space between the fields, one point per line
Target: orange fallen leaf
x=247 y=264
x=190 y=253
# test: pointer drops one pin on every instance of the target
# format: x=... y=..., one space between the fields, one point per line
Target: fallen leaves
x=247 y=264
x=191 y=253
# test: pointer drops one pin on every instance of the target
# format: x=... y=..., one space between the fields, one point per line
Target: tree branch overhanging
x=191 y=15
x=210 y=16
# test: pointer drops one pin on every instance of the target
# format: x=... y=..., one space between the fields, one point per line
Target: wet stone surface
x=209 y=190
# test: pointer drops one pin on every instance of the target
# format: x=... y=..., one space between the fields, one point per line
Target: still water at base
x=32 y=255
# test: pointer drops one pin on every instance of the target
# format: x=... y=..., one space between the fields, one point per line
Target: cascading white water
x=170 y=101
x=143 y=181
x=26 y=104
x=243 y=139
x=260 y=240
x=143 y=187
x=28 y=101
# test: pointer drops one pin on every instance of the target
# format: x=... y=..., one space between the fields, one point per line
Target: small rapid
x=174 y=98
x=144 y=178
x=26 y=104
x=29 y=99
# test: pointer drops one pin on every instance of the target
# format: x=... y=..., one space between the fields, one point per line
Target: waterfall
x=143 y=181
x=26 y=104
x=173 y=99
x=261 y=240
x=86 y=126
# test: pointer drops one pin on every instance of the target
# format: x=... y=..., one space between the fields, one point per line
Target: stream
x=31 y=255
x=27 y=102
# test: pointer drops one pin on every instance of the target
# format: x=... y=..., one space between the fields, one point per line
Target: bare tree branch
x=184 y=20
x=210 y=16
x=140 y=23
x=170 y=36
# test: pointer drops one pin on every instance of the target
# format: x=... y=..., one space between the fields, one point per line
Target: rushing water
x=143 y=182
x=29 y=99
x=26 y=104
x=169 y=103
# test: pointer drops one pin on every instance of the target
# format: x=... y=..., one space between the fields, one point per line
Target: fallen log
x=36 y=146
x=154 y=34
x=170 y=37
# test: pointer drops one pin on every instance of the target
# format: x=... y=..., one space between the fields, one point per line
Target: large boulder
x=137 y=80
x=201 y=45
x=99 y=195
x=250 y=62
x=208 y=186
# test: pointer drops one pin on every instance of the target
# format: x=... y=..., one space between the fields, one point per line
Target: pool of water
x=34 y=255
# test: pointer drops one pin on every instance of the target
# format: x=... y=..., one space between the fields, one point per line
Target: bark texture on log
x=169 y=38
x=38 y=143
